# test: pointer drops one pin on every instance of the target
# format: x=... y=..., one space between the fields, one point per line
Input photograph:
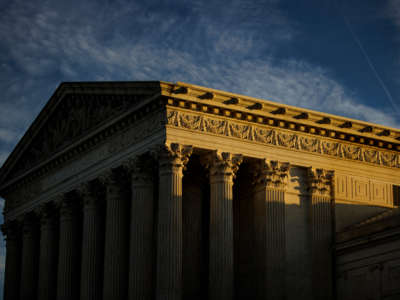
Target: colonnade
x=110 y=239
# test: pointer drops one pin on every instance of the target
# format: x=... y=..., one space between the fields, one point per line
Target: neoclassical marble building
x=154 y=190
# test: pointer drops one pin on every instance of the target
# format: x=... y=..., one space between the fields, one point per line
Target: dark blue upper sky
x=340 y=57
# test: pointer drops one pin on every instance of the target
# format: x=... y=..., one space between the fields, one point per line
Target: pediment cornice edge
x=151 y=105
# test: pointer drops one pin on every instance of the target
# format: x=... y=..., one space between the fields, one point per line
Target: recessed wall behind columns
x=362 y=189
x=195 y=214
x=243 y=215
x=298 y=236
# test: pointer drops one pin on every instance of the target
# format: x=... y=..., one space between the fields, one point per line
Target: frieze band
x=281 y=138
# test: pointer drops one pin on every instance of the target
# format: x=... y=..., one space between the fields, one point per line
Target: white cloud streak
x=220 y=47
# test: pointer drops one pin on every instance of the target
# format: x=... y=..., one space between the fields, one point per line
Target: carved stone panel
x=281 y=137
x=363 y=190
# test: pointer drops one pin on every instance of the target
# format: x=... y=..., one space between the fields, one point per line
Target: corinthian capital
x=173 y=154
x=29 y=222
x=320 y=181
x=90 y=193
x=222 y=163
x=46 y=213
x=113 y=176
x=141 y=168
x=271 y=173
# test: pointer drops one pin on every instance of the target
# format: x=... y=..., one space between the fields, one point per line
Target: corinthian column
x=69 y=250
x=269 y=228
x=320 y=186
x=172 y=160
x=29 y=271
x=48 y=253
x=13 y=260
x=141 y=229
x=116 y=238
x=92 y=246
x=223 y=167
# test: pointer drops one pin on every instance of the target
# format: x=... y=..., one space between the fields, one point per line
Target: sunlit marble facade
x=154 y=190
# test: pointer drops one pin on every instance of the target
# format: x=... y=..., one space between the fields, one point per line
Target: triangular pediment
x=73 y=111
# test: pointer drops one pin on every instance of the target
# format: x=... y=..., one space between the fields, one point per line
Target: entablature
x=275 y=114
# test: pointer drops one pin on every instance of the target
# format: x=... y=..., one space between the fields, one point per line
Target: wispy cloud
x=231 y=48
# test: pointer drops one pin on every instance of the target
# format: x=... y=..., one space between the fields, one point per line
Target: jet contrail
x=383 y=85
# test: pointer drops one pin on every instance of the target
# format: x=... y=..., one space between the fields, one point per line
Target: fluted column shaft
x=141 y=232
x=169 y=230
x=29 y=270
x=221 y=277
x=69 y=252
x=48 y=254
x=322 y=232
x=269 y=225
x=92 y=246
x=13 y=261
x=116 y=237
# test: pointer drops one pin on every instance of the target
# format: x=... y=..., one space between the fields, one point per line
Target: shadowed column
x=92 y=243
x=222 y=167
x=141 y=229
x=320 y=186
x=269 y=226
x=116 y=236
x=29 y=270
x=69 y=250
x=169 y=248
x=48 y=252
x=13 y=260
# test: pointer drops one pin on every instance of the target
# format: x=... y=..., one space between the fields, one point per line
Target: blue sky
x=340 y=57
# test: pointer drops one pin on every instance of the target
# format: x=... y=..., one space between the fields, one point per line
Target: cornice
x=354 y=239
x=285 y=116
